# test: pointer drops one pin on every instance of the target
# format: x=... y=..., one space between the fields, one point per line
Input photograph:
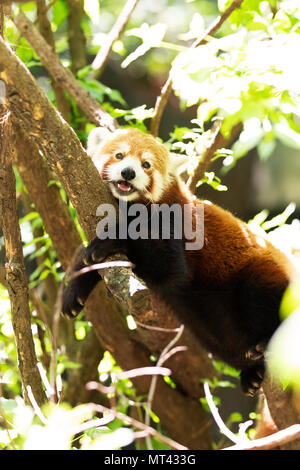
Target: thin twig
x=139 y=425
x=99 y=266
x=45 y=380
x=160 y=104
x=241 y=441
x=35 y=406
x=55 y=329
x=156 y=328
x=217 y=23
x=93 y=423
x=218 y=141
x=160 y=361
x=214 y=411
x=114 y=34
x=130 y=374
x=162 y=99
x=270 y=442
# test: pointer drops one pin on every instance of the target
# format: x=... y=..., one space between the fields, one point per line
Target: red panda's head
x=135 y=164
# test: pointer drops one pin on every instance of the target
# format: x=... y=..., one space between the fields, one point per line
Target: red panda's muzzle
x=124 y=187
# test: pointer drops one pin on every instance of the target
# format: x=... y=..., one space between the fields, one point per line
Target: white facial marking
x=123 y=147
x=100 y=160
x=148 y=156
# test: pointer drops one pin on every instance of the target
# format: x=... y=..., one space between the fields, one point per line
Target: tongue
x=124 y=186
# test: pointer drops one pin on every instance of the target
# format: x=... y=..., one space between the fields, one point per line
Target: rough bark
x=59 y=225
x=32 y=110
x=15 y=270
x=181 y=416
x=37 y=177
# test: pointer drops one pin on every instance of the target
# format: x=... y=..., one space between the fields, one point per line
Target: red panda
x=228 y=292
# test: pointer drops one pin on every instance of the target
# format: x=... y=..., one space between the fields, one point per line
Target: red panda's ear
x=96 y=138
x=177 y=163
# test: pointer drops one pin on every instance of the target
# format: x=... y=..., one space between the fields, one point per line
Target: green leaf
x=291 y=300
x=28 y=217
x=24 y=50
x=235 y=417
x=60 y=12
x=284 y=351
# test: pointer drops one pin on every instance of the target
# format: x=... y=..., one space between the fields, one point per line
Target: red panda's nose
x=128 y=173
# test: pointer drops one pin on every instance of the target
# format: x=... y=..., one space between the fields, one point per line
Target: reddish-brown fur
x=230 y=245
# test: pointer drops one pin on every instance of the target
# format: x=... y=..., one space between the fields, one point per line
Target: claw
x=80 y=301
x=251 y=379
x=256 y=352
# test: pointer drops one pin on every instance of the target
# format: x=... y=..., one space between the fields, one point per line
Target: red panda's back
x=230 y=245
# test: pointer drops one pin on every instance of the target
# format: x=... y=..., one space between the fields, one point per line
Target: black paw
x=251 y=379
x=98 y=250
x=73 y=302
x=256 y=352
x=77 y=291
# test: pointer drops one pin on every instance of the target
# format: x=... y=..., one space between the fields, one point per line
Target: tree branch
x=160 y=104
x=216 y=25
x=153 y=384
x=103 y=54
x=218 y=142
x=162 y=99
x=46 y=197
x=1 y=20
x=280 y=438
x=15 y=269
x=32 y=110
x=137 y=424
x=76 y=37
x=282 y=408
x=46 y=31
x=181 y=415
x=62 y=75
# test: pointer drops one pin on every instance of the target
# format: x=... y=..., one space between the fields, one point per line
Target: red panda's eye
x=119 y=156
x=146 y=165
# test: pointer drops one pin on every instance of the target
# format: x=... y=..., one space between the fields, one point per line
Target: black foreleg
x=78 y=289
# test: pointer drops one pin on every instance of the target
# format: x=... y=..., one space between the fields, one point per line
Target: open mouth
x=124 y=187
